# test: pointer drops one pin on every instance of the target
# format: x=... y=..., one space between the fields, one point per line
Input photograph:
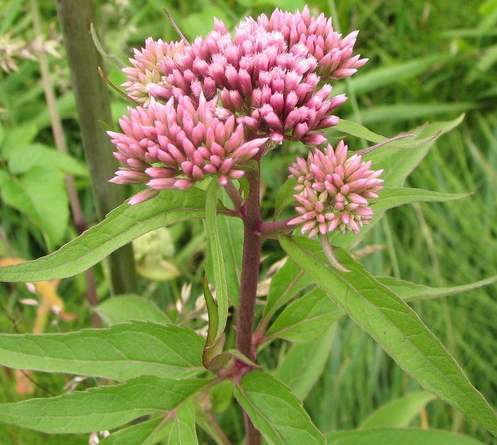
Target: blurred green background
x=429 y=60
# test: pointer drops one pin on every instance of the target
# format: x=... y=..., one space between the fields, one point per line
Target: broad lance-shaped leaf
x=122 y=225
x=100 y=408
x=121 y=352
x=303 y=364
x=148 y=432
x=275 y=411
x=399 y=437
x=215 y=253
x=124 y=308
x=305 y=318
x=395 y=326
x=398 y=413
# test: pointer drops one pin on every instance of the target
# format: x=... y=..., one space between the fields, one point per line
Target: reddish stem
x=275 y=227
x=249 y=279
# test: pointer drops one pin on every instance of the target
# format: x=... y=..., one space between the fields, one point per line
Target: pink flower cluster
x=333 y=191
x=209 y=107
x=176 y=144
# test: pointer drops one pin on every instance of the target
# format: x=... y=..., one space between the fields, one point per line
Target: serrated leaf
x=275 y=411
x=395 y=326
x=47 y=192
x=303 y=364
x=149 y=432
x=215 y=253
x=399 y=437
x=100 y=408
x=37 y=155
x=183 y=430
x=398 y=413
x=306 y=318
x=122 y=225
x=121 y=352
x=124 y=308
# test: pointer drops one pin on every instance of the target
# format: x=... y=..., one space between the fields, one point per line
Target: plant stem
x=60 y=143
x=249 y=279
x=76 y=17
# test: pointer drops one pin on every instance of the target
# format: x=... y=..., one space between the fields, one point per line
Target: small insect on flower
x=333 y=191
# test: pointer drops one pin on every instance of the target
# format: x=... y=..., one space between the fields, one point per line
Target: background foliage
x=430 y=60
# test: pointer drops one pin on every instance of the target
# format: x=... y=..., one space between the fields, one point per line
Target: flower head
x=179 y=143
x=333 y=53
x=144 y=78
x=333 y=191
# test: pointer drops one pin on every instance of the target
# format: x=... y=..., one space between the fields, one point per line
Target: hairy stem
x=76 y=17
x=249 y=279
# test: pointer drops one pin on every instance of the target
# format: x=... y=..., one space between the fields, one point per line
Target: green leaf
x=19 y=136
x=215 y=253
x=415 y=292
x=285 y=285
x=284 y=196
x=388 y=75
x=399 y=437
x=122 y=225
x=391 y=197
x=14 y=196
x=275 y=411
x=183 y=430
x=38 y=155
x=354 y=129
x=399 y=161
x=124 y=308
x=100 y=408
x=303 y=364
x=149 y=432
x=306 y=318
x=395 y=326
x=121 y=352
x=398 y=413
x=231 y=233
x=409 y=111
x=47 y=191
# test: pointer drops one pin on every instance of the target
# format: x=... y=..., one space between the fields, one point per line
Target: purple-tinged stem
x=275 y=227
x=250 y=276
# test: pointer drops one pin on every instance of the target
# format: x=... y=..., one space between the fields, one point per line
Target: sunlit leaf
x=121 y=352
x=100 y=408
x=121 y=226
x=123 y=308
x=395 y=326
x=398 y=413
x=275 y=411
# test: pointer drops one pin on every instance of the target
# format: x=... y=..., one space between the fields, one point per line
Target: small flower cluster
x=333 y=191
x=176 y=144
